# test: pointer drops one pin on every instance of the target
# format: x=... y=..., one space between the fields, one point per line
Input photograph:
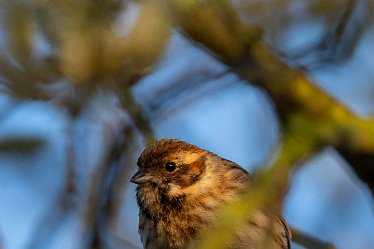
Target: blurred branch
x=126 y=244
x=81 y=42
x=108 y=181
x=21 y=145
x=185 y=90
x=65 y=201
x=137 y=114
x=293 y=93
x=308 y=241
x=100 y=189
x=340 y=39
x=363 y=164
x=23 y=69
x=311 y=119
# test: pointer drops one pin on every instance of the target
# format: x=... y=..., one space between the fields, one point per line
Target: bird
x=180 y=189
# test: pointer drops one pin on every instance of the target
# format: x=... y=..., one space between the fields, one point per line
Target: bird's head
x=170 y=163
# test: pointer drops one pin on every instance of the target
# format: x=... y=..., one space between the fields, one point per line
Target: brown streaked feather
x=177 y=207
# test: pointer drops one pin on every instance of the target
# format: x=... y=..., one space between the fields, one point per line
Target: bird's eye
x=170 y=166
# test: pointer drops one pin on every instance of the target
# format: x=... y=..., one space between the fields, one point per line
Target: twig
x=295 y=96
x=64 y=203
x=309 y=241
x=137 y=115
x=106 y=185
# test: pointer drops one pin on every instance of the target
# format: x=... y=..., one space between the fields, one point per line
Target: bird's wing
x=287 y=232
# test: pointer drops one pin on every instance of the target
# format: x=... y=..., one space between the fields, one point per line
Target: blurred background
x=86 y=85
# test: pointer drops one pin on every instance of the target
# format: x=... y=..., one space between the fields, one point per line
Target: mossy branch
x=293 y=93
x=310 y=118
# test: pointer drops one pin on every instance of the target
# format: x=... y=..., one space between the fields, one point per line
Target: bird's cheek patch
x=191 y=173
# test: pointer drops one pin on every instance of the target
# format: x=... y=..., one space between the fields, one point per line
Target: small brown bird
x=181 y=187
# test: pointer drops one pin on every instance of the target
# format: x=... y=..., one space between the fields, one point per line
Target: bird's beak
x=141 y=177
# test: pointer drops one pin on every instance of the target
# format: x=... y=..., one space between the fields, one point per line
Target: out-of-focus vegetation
x=20 y=145
x=68 y=52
